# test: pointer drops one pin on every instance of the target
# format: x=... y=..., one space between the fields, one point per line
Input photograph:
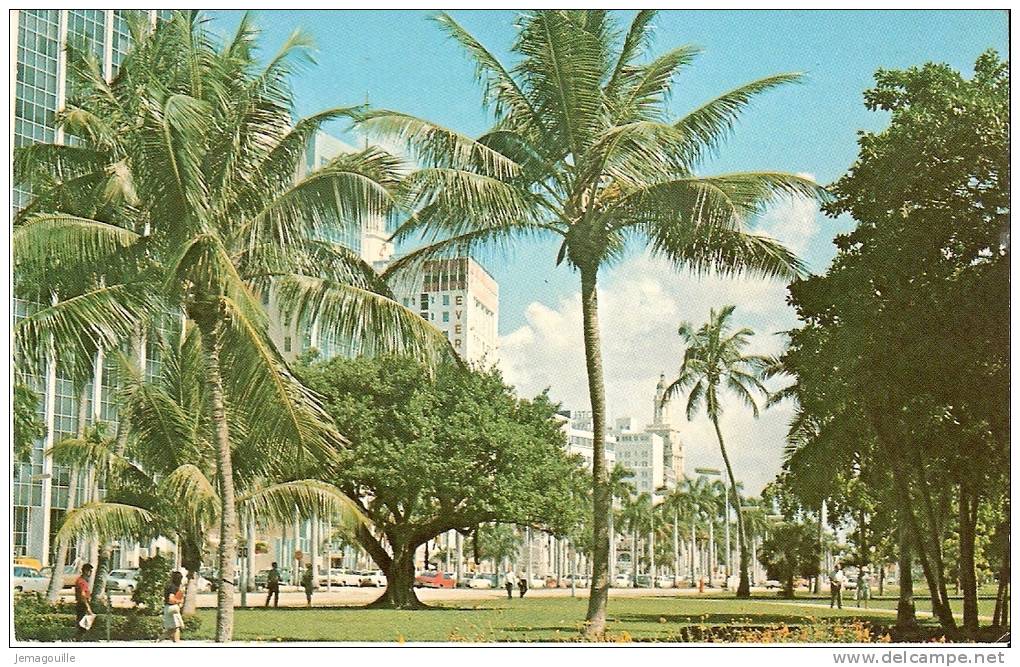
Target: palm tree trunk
x=57 y=577
x=228 y=513
x=676 y=548
x=744 y=588
x=599 y=597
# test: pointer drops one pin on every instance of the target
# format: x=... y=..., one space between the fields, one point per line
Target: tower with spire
x=664 y=425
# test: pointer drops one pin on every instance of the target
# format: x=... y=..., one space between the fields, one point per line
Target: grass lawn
x=538 y=619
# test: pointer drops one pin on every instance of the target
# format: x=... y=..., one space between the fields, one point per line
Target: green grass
x=538 y=619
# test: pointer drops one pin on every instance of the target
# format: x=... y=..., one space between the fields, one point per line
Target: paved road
x=291 y=596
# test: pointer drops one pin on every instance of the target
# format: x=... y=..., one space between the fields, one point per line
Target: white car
x=122 y=581
x=622 y=581
x=483 y=581
x=374 y=578
x=28 y=580
x=202 y=584
x=664 y=582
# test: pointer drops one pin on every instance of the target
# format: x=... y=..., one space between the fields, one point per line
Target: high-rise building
x=654 y=454
x=461 y=299
x=39 y=90
x=370 y=240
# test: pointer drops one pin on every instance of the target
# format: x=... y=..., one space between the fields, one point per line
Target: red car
x=434 y=579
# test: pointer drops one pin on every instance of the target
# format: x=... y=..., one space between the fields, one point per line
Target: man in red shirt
x=82 y=597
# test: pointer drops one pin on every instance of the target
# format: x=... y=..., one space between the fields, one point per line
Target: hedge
x=36 y=620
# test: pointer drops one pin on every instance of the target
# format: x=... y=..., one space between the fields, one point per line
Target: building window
x=446 y=316
x=446 y=299
x=286 y=344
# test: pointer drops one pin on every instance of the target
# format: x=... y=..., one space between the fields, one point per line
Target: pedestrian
x=508 y=583
x=173 y=598
x=82 y=599
x=836 y=581
x=522 y=585
x=308 y=583
x=273 y=586
x=863 y=587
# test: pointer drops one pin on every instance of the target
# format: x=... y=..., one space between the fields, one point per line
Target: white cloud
x=792 y=220
x=641 y=303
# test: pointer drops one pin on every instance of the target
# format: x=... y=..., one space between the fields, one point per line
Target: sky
x=400 y=60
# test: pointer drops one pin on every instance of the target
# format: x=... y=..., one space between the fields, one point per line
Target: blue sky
x=400 y=60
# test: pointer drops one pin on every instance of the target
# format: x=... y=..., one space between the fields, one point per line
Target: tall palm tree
x=715 y=361
x=163 y=481
x=583 y=150
x=179 y=193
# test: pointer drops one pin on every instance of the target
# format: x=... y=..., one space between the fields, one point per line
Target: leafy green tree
x=584 y=151
x=918 y=292
x=436 y=451
x=790 y=550
x=179 y=195
x=493 y=541
x=715 y=361
x=28 y=426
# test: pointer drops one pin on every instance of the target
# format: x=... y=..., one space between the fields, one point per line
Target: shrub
x=153 y=575
x=35 y=620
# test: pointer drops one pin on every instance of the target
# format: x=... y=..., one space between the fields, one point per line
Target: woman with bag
x=173 y=598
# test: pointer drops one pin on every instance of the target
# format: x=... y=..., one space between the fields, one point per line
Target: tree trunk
x=633 y=557
x=744 y=587
x=400 y=581
x=102 y=571
x=906 y=612
x=60 y=560
x=599 y=597
x=191 y=560
x=676 y=549
x=968 y=506
x=228 y=512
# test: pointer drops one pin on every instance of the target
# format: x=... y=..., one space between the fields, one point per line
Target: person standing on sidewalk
x=308 y=583
x=836 y=582
x=522 y=585
x=82 y=598
x=273 y=586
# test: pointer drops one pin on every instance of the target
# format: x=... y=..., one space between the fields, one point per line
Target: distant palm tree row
x=175 y=195
x=684 y=529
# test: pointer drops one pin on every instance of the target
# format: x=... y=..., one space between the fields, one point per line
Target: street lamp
x=715 y=472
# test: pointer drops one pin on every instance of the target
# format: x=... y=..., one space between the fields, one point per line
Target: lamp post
x=715 y=472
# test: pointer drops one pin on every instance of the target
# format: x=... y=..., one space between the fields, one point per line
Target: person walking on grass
x=308 y=583
x=273 y=586
x=836 y=582
x=82 y=599
x=508 y=583
x=522 y=585
x=173 y=598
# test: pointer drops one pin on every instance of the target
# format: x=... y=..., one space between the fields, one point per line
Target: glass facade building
x=40 y=489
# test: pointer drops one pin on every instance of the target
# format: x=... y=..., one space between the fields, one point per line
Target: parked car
x=374 y=578
x=622 y=581
x=664 y=582
x=202 y=584
x=536 y=582
x=122 y=581
x=339 y=577
x=434 y=579
x=67 y=580
x=644 y=581
x=582 y=581
x=772 y=583
x=26 y=579
x=484 y=581
x=29 y=562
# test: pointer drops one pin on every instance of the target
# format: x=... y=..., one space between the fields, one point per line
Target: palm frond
x=306 y=498
x=708 y=125
x=108 y=522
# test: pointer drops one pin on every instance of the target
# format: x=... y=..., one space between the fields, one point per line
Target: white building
x=461 y=299
x=641 y=453
x=576 y=425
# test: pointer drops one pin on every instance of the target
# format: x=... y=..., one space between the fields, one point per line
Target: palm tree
x=713 y=361
x=583 y=151
x=179 y=194
x=163 y=481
